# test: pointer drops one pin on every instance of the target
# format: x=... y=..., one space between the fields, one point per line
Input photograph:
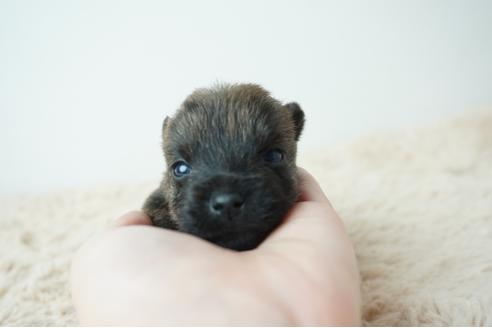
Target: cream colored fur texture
x=417 y=205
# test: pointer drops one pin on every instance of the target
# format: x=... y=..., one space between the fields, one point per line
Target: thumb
x=313 y=243
x=312 y=230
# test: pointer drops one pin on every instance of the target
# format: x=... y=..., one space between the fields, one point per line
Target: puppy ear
x=165 y=124
x=165 y=129
x=297 y=117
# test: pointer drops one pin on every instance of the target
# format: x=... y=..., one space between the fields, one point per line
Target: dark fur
x=223 y=133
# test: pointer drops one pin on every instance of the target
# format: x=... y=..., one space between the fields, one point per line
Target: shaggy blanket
x=417 y=205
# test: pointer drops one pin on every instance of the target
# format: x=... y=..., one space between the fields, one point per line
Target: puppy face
x=231 y=172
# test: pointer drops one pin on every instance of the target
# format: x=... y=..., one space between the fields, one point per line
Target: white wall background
x=85 y=85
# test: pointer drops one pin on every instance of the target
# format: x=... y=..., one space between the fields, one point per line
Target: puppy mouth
x=238 y=240
x=237 y=235
x=225 y=230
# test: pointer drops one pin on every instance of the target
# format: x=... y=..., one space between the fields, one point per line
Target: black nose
x=226 y=203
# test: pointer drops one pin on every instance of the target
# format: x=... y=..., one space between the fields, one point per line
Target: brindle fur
x=223 y=132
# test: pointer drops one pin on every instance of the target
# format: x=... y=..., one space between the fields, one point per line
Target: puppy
x=231 y=157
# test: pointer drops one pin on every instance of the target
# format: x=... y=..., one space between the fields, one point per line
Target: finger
x=309 y=188
x=131 y=218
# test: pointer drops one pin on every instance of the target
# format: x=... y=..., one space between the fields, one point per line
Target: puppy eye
x=273 y=156
x=181 y=168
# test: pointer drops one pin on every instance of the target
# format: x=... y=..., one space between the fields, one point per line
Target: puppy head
x=231 y=153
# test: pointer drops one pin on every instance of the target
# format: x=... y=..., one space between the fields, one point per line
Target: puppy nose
x=226 y=204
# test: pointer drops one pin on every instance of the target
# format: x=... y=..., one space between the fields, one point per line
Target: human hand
x=304 y=273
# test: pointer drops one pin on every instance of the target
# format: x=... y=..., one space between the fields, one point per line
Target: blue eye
x=273 y=156
x=181 y=168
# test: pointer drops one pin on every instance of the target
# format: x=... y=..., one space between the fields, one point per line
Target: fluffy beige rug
x=417 y=204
